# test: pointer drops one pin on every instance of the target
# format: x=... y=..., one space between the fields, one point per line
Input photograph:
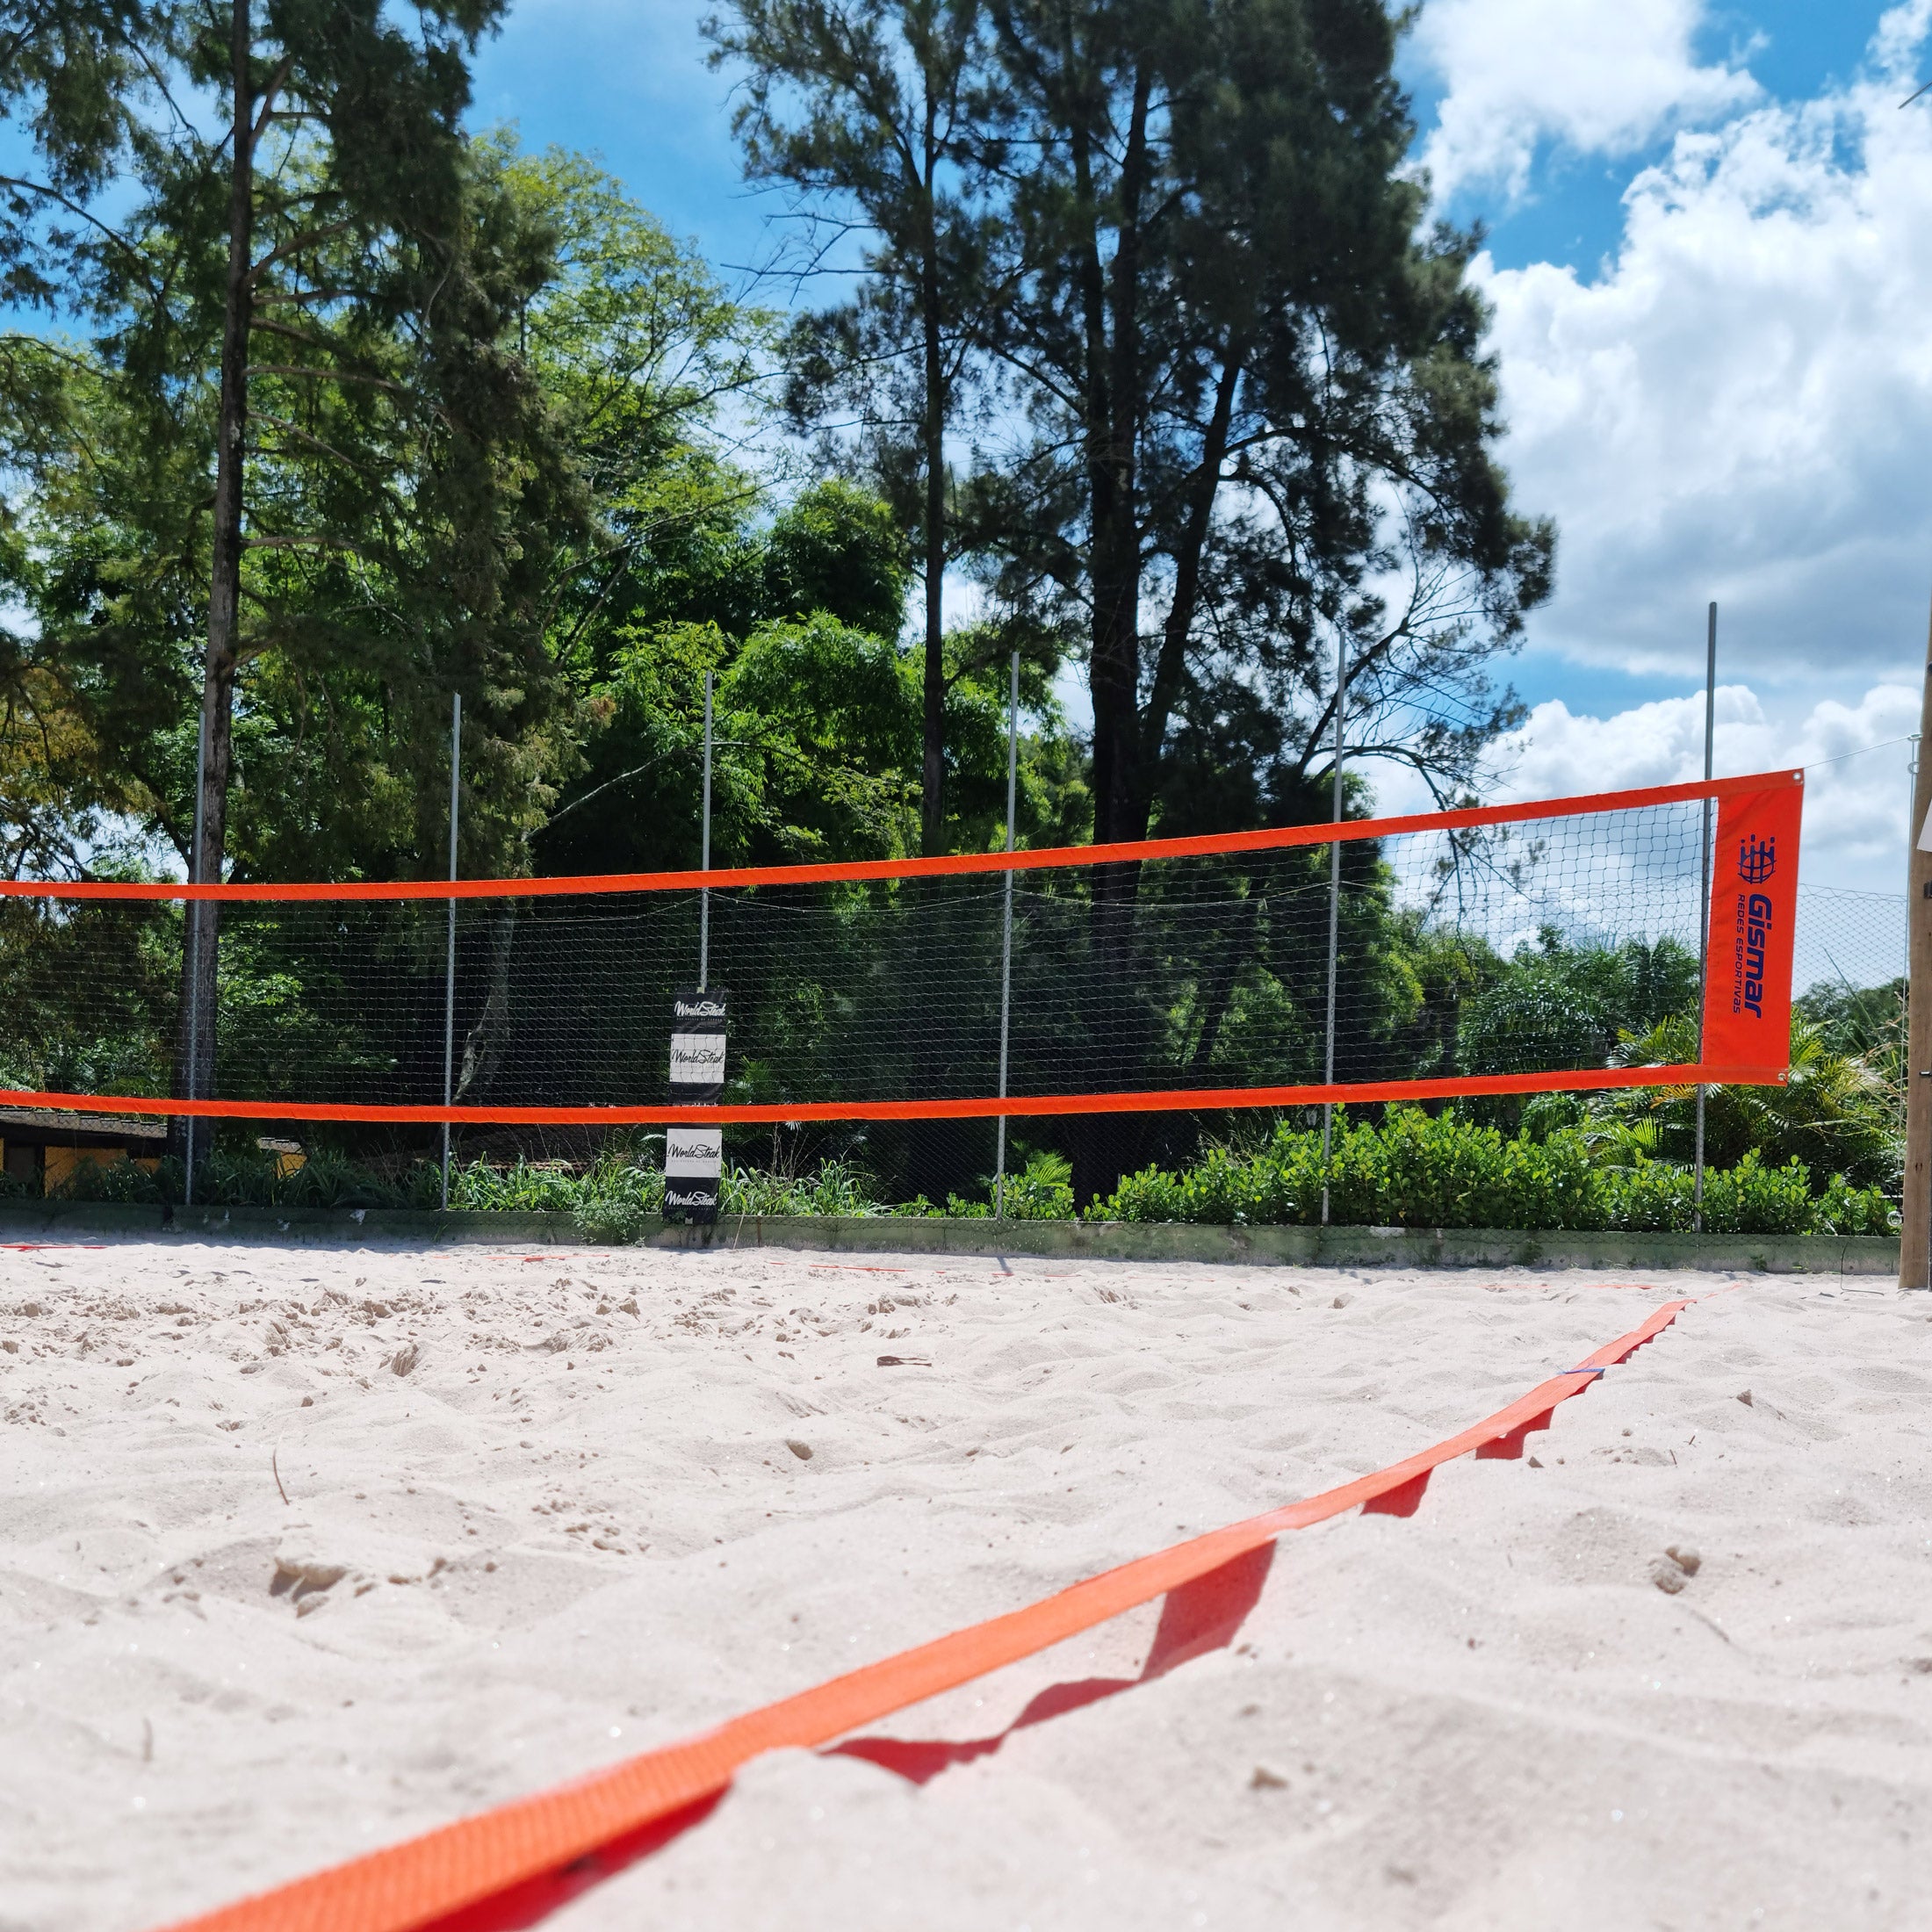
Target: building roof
x=71 y=1121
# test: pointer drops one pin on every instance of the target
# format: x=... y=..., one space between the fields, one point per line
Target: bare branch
x=297 y=244
x=299 y=543
x=325 y=375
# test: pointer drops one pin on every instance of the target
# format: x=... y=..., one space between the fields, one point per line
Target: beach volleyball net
x=1190 y=975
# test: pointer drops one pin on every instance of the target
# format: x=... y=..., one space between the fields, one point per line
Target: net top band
x=1049 y=858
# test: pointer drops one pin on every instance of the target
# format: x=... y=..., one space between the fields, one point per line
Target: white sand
x=572 y=1530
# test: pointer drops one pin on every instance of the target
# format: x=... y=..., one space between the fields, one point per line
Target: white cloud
x=1856 y=796
x=1741 y=406
x=1558 y=753
x=1597 y=77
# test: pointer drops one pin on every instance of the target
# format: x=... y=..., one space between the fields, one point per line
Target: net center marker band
x=510 y=1865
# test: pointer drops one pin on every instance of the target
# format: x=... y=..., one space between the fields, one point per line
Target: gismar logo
x=1757 y=860
x=1757 y=927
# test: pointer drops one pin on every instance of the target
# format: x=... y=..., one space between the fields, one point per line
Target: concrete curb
x=1066 y=1240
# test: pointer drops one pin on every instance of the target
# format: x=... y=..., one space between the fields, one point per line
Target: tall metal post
x=194 y=966
x=1703 y=897
x=1335 y=916
x=448 y=964
x=1911 y=792
x=1916 y=1209
x=704 y=855
x=1006 y=937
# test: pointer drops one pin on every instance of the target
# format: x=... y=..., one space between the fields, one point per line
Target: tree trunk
x=196 y=1047
x=1113 y=427
x=1171 y=665
x=932 y=788
x=486 y=1043
x=1102 y=1145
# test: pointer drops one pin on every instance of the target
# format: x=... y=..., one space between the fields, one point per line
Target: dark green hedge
x=1415 y=1171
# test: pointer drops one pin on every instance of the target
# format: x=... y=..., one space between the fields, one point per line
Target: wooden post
x=1915 y=1245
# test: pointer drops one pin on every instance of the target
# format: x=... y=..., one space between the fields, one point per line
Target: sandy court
x=583 y=1520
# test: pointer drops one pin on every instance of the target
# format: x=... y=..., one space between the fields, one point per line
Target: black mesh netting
x=1187 y=973
x=1519 y=950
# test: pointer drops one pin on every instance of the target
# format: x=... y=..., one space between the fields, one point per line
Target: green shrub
x=1416 y=1170
x=609 y=1219
x=1650 y=1196
x=1843 y=1209
x=524 y=1188
x=1448 y=1172
x=1752 y=1199
x=119 y=1180
x=1041 y=1190
x=835 y=1187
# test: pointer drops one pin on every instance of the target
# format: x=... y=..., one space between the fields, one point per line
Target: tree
x=1560 y=1005
x=382 y=472
x=1840 y=1112
x=694 y=599
x=875 y=112
x=1263 y=419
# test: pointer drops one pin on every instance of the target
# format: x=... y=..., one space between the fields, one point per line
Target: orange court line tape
x=1131 y=851
x=475 y=1861
x=979 y=1107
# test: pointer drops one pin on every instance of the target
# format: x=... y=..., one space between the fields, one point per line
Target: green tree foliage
x=1559 y=1005
x=874 y=113
x=1264 y=421
x=333 y=412
x=1246 y=422
x=303 y=298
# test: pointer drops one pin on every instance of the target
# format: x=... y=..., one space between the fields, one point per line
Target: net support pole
x=195 y=917
x=704 y=853
x=1005 y=940
x=1335 y=921
x=449 y=962
x=1915 y=1216
x=1704 y=899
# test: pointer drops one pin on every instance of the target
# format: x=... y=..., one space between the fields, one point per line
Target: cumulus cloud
x=1856 y=798
x=1596 y=76
x=1856 y=757
x=1739 y=405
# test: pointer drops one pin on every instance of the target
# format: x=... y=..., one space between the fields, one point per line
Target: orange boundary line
x=459 y=1866
x=1048 y=858
x=981 y=1108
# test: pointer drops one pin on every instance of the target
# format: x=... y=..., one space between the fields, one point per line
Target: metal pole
x=194 y=962
x=1915 y=1207
x=448 y=964
x=1704 y=899
x=704 y=859
x=1335 y=916
x=1911 y=794
x=1006 y=939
